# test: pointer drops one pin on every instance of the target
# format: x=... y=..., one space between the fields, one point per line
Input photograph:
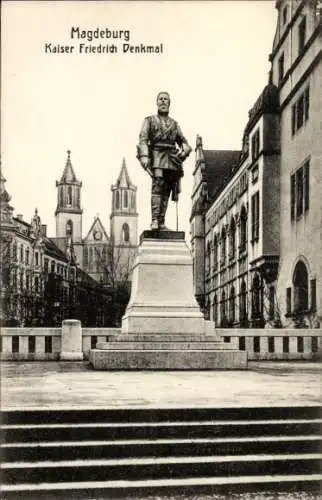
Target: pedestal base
x=163 y=327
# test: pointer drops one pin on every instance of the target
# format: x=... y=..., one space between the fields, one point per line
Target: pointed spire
x=68 y=173
x=124 y=179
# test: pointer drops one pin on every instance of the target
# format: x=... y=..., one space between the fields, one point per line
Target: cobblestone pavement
x=52 y=385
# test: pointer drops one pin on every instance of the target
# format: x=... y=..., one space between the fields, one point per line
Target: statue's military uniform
x=162 y=141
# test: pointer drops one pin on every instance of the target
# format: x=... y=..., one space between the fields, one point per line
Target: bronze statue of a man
x=161 y=151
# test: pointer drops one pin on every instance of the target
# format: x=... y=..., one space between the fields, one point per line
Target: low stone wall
x=29 y=344
x=275 y=344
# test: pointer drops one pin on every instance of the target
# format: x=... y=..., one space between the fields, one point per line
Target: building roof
x=267 y=102
x=53 y=249
x=220 y=167
x=68 y=173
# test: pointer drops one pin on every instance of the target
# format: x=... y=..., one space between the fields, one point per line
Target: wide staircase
x=121 y=453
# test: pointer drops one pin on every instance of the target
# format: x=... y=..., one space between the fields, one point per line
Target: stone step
x=158 y=468
x=170 y=345
x=157 y=430
x=159 y=337
x=173 y=416
x=161 y=487
x=166 y=359
x=54 y=451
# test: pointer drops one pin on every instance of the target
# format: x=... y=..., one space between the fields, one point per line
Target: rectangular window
x=293 y=119
x=15 y=343
x=93 y=341
x=306 y=186
x=293 y=184
x=313 y=295
x=52 y=266
x=302 y=34
x=48 y=344
x=37 y=259
x=27 y=257
x=286 y=345
x=271 y=344
x=314 y=345
x=226 y=339
x=256 y=344
x=300 y=344
x=21 y=281
x=242 y=343
x=21 y=253
x=306 y=103
x=255 y=217
x=300 y=191
x=255 y=144
x=300 y=110
x=46 y=265
x=288 y=300
x=32 y=344
x=281 y=68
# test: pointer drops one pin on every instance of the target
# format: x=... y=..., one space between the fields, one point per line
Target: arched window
x=36 y=284
x=85 y=256
x=232 y=239
x=126 y=199
x=243 y=304
x=301 y=287
x=232 y=305
x=215 y=310
x=223 y=317
x=223 y=247
x=243 y=229
x=14 y=251
x=69 y=195
x=69 y=228
x=117 y=200
x=125 y=232
x=256 y=297
x=132 y=200
x=215 y=256
x=208 y=257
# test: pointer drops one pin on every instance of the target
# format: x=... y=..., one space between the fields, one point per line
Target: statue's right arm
x=143 y=147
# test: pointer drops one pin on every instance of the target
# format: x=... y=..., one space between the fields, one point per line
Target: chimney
x=19 y=217
x=43 y=229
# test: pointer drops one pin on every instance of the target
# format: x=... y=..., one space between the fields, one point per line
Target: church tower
x=124 y=216
x=69 y=212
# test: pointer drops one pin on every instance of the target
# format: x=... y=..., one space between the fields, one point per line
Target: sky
x=214 y=65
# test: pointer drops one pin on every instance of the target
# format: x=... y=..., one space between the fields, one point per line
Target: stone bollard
x=71 y=340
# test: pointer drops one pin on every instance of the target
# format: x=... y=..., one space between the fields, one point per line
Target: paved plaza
x=31 y=385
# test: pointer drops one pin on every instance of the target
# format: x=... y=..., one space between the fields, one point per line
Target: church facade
x=256 y=218
x=106 y=257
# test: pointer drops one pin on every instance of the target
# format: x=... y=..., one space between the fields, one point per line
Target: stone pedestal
x=162 y=299
x=71 y=340
x=163 y=327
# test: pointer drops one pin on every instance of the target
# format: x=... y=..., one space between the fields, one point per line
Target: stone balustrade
x=29 y=344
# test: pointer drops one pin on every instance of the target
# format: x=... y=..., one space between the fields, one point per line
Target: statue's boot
x=155 y=210
x=163 y=209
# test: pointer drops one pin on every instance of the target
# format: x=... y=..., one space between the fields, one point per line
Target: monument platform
x=163 y=327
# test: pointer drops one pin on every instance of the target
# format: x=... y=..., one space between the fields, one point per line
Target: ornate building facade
x=256 y=213
x=46 y=279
